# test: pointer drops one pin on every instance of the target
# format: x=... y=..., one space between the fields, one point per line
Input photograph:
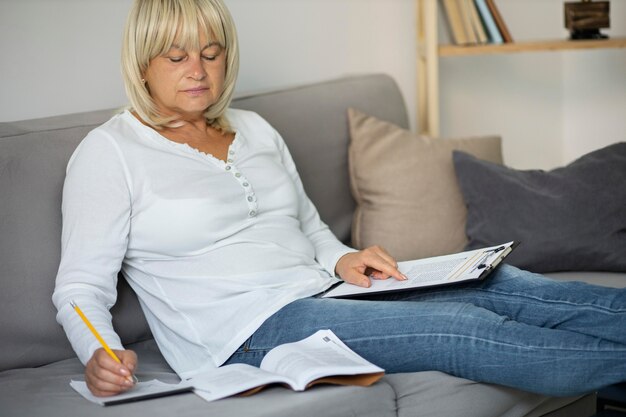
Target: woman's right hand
x=105 y=377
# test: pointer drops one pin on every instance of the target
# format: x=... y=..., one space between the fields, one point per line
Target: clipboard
x=142 y=391
x=474 y=265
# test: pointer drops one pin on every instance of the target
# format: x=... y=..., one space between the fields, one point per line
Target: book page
x=427 y=272
x=141 y=391
x=232 y=379
x=317 y=356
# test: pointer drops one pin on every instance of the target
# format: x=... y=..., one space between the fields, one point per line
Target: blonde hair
x=152 y=28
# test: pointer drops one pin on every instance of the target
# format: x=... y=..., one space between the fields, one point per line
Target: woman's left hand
x=357 y=267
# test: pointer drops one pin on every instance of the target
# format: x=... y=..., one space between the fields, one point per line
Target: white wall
x=549 y=107
x=594 y=101
x=62 y=56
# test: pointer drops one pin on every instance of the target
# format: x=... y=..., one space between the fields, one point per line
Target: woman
x=202 y=208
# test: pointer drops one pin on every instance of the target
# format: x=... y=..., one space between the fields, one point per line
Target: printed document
x=435 y=271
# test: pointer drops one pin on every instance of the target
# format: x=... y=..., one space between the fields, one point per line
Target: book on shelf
x=489 y=23
x=457 y=29
x=477 y=24
x=474 y=22
x=502 y=27
x=321 y=358
x=465 y=7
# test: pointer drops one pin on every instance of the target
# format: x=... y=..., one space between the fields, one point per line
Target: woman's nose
x=196 y=69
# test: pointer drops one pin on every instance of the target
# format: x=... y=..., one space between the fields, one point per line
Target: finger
x=378 y=274
x=129 y=360
x=123 y=370
x=112 y=372
x=107 y=388
x=103 y=360
x=106 y=384
x=103 y=382
x=385 y=269
x=356 y=278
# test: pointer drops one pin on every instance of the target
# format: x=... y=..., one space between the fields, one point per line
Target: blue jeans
x=516 y=329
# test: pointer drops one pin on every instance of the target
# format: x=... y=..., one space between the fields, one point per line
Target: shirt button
x=245 y=184
x=230 y=161
x=238 y=175
x=231 y=152
x=250 y=199
x=252 y=213
x=227 y=167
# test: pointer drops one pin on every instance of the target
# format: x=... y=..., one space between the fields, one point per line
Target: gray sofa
x=36 y=361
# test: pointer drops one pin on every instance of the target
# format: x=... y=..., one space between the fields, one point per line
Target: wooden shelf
x=536 y=46
x=429 y=51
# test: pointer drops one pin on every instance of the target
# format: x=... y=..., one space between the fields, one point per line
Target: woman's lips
x=196 y=91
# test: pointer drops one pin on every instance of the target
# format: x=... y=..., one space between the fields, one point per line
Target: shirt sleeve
x=328 y=249
x=96 y=212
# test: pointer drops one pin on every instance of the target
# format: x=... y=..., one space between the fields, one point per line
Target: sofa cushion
x=408 y=199
x=436 y=394
x=569 y=219
x=45 y=391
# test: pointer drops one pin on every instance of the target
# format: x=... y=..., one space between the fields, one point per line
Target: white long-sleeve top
x=211 y=248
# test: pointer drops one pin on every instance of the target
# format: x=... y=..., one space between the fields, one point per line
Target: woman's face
x=186 y=83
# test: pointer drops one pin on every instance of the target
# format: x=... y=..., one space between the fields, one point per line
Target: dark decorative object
x=585 y=18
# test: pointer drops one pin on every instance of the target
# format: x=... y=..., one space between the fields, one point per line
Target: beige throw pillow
x=408 y=198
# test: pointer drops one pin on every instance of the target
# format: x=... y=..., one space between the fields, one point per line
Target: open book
x=320 y=358
x=430 y=272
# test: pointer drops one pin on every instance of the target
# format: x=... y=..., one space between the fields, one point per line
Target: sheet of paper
x=141 y=390
x=438 y=270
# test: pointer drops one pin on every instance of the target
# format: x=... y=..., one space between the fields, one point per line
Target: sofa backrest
x=34 y=153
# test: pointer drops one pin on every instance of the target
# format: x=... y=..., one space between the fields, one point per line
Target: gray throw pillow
x=569 y=219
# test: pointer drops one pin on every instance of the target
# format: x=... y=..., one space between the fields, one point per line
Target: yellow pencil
x=97 y=335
